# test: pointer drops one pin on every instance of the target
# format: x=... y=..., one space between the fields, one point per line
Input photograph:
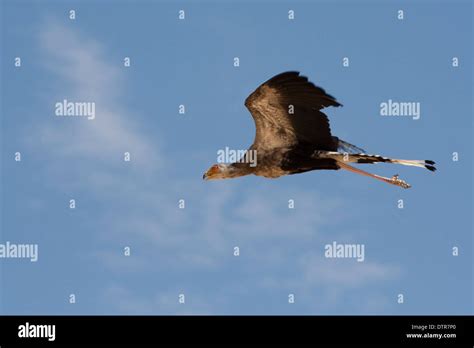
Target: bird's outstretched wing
x=286 y=111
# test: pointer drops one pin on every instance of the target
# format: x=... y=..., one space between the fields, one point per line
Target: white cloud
x=345 y=273
x=84 y=74
x=123 y=301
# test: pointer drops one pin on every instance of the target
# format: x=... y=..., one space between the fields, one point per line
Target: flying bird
x=293 y=135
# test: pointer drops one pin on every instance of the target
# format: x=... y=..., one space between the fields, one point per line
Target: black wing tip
x=291 y=72
x=285 y=74
x=336 y=103
x=293 y=75
x=430 y=162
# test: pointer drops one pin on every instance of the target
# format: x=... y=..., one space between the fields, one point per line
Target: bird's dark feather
x=276 y=127
x=299 y=160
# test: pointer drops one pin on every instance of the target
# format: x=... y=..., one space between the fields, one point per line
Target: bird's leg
x=394 y=180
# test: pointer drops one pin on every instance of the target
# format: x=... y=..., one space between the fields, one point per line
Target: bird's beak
x=204 y=176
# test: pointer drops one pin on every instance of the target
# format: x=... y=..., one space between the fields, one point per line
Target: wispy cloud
x=344 y=273
x=83 y=74
x=126 y=302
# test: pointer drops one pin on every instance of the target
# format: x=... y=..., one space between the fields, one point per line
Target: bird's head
x=217 y=171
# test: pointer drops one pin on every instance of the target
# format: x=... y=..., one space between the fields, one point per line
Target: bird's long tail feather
x=367 y=158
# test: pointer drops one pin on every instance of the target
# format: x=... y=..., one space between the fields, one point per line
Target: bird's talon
x=399 y=182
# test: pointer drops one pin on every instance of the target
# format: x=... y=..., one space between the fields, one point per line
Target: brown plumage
x=293 y=135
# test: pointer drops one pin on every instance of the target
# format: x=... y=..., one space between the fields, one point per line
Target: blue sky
x=190 y=251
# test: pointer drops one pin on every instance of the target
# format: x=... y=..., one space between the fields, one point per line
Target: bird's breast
x=270 y=163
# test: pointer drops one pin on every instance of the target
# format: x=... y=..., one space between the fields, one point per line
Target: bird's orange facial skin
x=211 y=172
